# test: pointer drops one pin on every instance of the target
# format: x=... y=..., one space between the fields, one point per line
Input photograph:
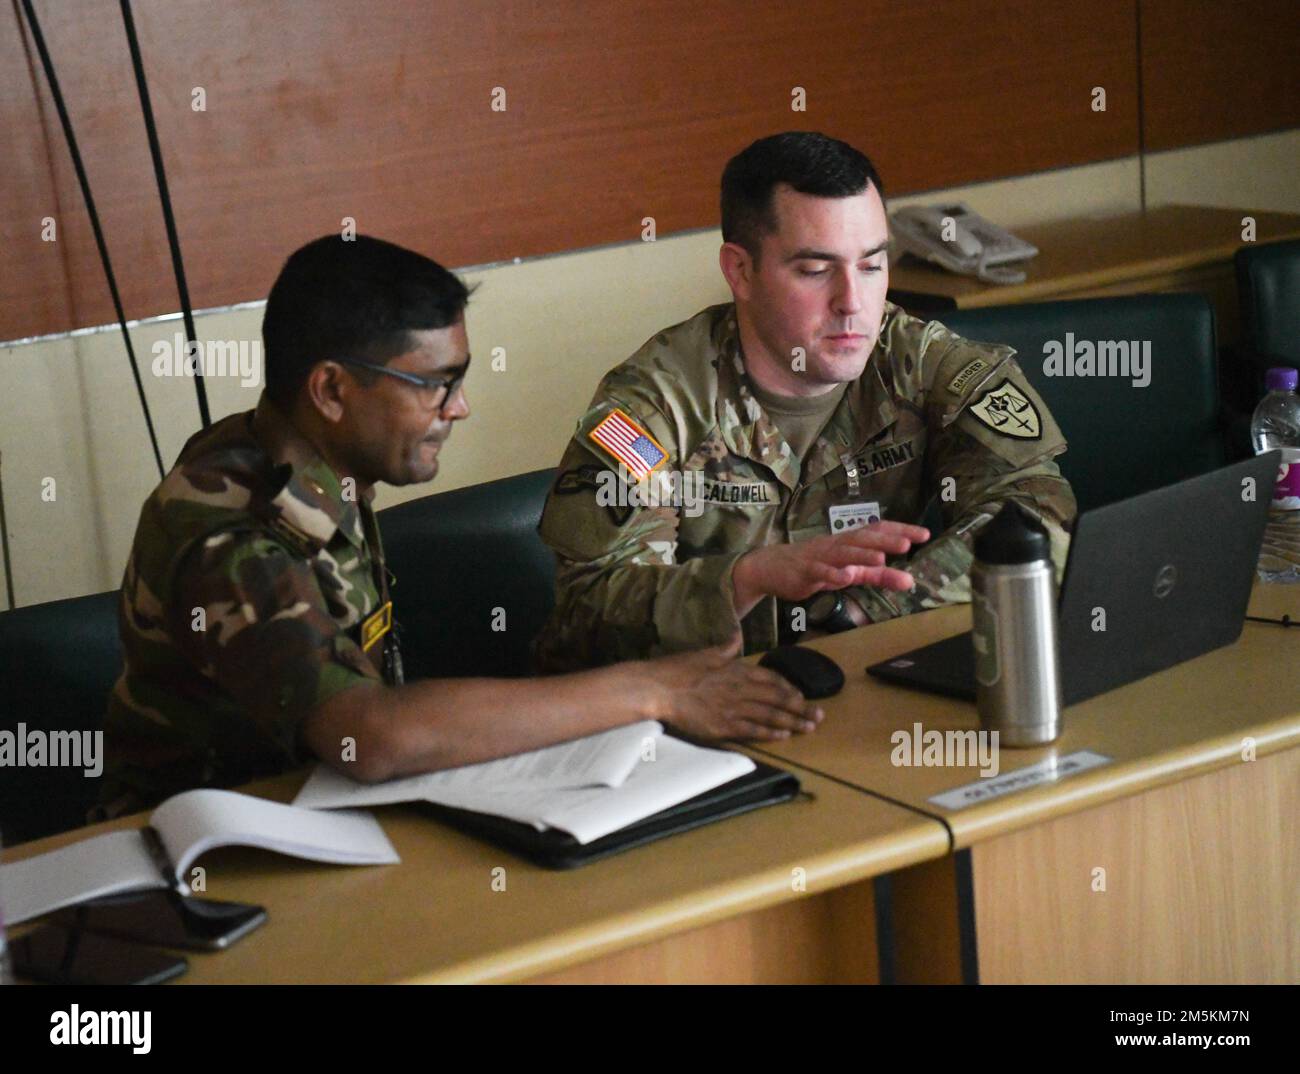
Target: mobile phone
x=58 y=955
x=166 y=919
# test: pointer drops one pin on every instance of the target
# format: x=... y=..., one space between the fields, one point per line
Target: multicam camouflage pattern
x=248 y=581
x=641 y=580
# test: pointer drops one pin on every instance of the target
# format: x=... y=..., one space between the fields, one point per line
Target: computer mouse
x=813 y=674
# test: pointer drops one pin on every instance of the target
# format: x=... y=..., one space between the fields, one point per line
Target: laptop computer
x=1150 y=581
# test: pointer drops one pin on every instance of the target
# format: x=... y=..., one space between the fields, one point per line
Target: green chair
x=457 y=557
x=474 y=582
x=58 y=663
x=1123 y=439
x=1268 y=292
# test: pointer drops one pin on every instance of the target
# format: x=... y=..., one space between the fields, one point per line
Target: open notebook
x=575 y=802
x=181 y=829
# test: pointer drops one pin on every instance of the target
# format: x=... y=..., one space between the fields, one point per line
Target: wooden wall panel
x=381 y=111
x=1212 y=71
x=34 y=292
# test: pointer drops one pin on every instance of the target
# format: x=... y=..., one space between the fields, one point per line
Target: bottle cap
x=1014 y=536
x=1281 y=378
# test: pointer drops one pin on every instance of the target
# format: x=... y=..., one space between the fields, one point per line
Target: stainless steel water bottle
x=1013 y=598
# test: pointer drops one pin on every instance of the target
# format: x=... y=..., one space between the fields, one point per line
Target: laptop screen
x=1150 y=581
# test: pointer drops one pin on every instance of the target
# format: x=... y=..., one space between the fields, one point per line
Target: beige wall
x=1261 y=173
x=68 y=409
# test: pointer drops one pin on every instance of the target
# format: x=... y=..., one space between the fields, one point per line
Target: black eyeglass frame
x=452 y=383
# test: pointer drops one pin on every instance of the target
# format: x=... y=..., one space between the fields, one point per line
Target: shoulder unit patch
x=1007 y=410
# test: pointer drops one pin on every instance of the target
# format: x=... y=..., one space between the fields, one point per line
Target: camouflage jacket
x=254 y=592
x=933 y=416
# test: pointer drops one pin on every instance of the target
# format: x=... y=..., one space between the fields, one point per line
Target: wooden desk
x=1199 y=848
x=1193 y=820
x=1173 y=248
x=1275 y=601
x=724 y=903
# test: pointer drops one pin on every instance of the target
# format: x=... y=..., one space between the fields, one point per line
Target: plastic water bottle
x=1276 y=424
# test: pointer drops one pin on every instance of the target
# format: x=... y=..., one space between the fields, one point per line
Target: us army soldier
x=255 y=615
x=785 y=446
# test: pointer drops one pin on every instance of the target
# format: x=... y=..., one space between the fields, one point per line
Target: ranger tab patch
x=972 y=370
x=629 y=444
x=1007 y=410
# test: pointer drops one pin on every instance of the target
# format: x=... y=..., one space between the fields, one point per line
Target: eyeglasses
x=430 y=387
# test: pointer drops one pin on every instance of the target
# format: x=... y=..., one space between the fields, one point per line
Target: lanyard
x=387 y=657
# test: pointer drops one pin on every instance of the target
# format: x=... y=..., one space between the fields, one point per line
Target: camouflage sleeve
x=989 y=443
x=621 y=590
x=250 y=615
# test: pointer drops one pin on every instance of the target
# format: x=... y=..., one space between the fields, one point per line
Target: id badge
x=850 y=516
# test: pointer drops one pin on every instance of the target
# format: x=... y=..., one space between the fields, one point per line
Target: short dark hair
x=351 y=298
x=809 y=162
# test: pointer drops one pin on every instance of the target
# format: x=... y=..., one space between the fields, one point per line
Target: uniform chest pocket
x=894 y=454
x=347 y=586
x=720 y=515
x=888 y=473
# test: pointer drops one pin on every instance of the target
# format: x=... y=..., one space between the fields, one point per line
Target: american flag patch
x=629 y=443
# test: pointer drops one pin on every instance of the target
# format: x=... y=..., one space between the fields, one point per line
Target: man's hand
x=711 y=695
x=797 y=571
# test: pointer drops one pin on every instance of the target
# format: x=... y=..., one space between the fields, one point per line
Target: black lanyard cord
x=173 y=240
x=39 y=39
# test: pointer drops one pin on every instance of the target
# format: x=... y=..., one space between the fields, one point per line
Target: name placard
x=1019 y=779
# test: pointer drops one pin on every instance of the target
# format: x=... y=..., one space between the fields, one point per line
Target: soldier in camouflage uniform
x=255 y=617
x=652 y=561
x=254 y=592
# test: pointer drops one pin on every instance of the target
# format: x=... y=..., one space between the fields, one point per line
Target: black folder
x=555 y=849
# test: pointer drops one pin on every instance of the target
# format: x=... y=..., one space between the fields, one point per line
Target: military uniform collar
x=866 y=409
x=749 y=431
x=309 y=500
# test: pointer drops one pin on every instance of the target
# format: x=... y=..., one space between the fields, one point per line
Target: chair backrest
x=457 y=557
x=58 y=663
x=474 y=582
x=1268 y=291
x=1123 y=439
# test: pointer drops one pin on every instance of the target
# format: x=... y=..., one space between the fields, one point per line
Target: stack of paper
x=589 y=787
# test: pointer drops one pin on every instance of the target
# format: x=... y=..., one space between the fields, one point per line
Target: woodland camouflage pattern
x=252 y=527
x=641 y=580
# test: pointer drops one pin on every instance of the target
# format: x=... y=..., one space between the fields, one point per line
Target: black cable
x=173 y=240
x=39 y=39
x=4 y=545
x=1285 y=621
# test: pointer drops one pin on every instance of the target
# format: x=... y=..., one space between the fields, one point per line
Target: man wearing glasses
x=255 y=616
